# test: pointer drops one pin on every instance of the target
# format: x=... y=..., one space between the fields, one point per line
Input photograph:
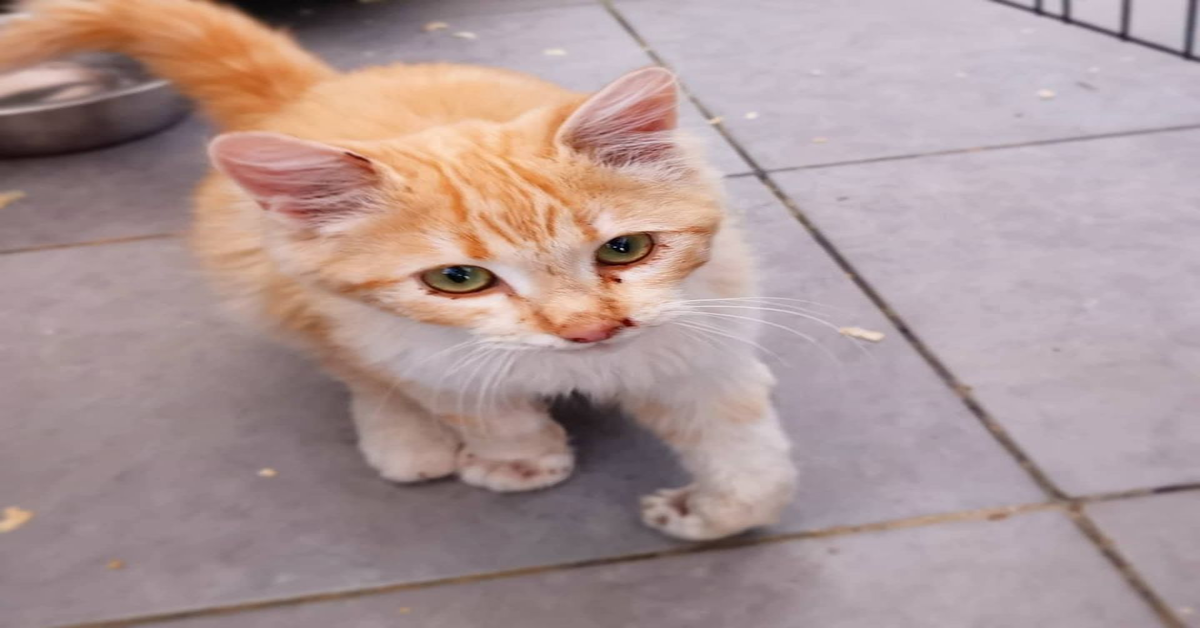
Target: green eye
x=625 y=249
x=459 y=279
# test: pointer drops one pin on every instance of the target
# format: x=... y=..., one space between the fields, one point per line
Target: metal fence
x=1122 y=23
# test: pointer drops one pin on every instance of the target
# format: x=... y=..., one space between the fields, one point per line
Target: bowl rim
x=155 y=84
x=150 y=85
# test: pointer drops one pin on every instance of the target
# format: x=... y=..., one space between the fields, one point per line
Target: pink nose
x=591 y=332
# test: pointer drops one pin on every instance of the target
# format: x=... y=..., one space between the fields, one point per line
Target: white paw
x=684 y=514
x=525 y=474
x=399 y=461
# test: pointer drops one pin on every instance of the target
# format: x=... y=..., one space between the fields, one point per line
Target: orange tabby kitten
x=459 y=244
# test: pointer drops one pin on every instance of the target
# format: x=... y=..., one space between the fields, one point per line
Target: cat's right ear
x=309 y=184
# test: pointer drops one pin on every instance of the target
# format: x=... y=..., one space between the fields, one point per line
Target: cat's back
x=390 y=101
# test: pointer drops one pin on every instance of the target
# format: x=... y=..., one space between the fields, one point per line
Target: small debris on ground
x=862 y=334
x=1093 y=70
x=1046 y=94
x=267 y=472
x=8 y=198
x=430 y=27
x=998 y=516
x=554 y=52
x=716 y=120
x=115 y=564
x=404 y=610
x=817 y=72
x=820 y=140
x=963 y=389
x=1086 y=85
x=14 y=517
x=751 y=115
x=466 y=35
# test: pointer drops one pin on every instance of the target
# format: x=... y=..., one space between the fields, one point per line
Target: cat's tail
x=237 y=69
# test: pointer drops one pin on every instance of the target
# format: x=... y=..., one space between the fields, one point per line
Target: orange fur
x=337 y=192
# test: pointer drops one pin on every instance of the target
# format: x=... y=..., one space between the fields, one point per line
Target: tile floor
x=1024 y=453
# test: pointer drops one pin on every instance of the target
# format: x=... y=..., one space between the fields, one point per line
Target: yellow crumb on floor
x=750 y=115
x=1046 y=94
x=10 y=197
x=466 y=35
x=862 y=334
x=820 y=140
x=14 y=517
x=429 y=27
x=555 y=52
x=716 y=120
x=404 y=610
x=115 y=564
x=267 y=472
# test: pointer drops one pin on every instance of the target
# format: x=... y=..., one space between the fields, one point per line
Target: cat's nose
x=591 y=332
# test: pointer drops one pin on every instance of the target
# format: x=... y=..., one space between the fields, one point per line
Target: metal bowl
x=82 y=102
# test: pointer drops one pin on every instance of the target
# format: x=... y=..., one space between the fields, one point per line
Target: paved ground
x=1022 y=450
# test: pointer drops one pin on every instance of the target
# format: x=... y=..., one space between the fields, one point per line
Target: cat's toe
x=676 y=512
x=525 y=474
x=407 y=465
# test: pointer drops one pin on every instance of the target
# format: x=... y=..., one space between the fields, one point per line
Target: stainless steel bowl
x=82 y=102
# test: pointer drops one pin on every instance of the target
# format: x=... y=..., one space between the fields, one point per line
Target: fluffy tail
x=236 y=68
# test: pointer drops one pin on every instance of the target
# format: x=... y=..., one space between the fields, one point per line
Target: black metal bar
x=1037 y=6
x=1066 y=14
x=1189 y=36
x=1107 y=31
x=1126 y=17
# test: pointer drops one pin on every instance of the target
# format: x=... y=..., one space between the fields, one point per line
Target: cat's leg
x=516 y=446
x=399 y=437
x=729 y=438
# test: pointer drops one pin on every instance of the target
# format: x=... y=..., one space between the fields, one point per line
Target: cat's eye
x=625 y=249
x=459 y=279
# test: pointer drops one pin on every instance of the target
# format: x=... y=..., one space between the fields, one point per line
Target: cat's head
x=566 y=227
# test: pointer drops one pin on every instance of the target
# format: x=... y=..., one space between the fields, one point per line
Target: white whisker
x=809 y=339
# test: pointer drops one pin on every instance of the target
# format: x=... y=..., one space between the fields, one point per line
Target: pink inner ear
x=308 y=181
x=627 y=122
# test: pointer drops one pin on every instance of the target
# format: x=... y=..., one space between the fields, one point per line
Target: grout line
x=1137 y=493
x=990 y=147
x=1070 y=507
x=1007 y=442
x=978 y=515
x=72 y=245
x=1108 y=549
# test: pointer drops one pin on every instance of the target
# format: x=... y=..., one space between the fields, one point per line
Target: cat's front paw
x=400 y=461
x=687 y=514
x=524 y=474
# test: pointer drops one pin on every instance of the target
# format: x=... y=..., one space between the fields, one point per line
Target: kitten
x=459 y=244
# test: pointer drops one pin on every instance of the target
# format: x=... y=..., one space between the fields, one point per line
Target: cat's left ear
x=307 y=184
x=629 y=122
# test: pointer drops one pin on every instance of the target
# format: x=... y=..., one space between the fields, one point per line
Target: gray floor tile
x=1054 y=281
x=877 y=434
x=136 y=420
x=877 y=78
x=140 y=188
x=1033 y=570
x=1158 y=535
